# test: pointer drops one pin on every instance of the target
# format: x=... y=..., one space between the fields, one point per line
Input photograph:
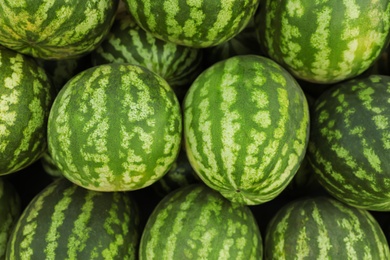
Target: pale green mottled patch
x=295 y=8
x=80 y=232
x=171 y=9
x=323 y=238
x=223 y=18
x=263 y=118
x=320 y=41
x=57 y=220
x=190 y=27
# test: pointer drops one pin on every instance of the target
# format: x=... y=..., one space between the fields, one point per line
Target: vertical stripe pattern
x=193 y=23
x=349 y=141
x=115 y=127
x=196 y=222
x=55 y=30
x=66 y=221
x=324 y=228
x=324 y=41
x=26 y=96
x=246 y=125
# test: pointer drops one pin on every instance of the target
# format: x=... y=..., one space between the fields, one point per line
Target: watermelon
x=246 y=128
x=26 y=95
x=49 y=166
x=66 y=221
x=196 y=24
x=55 y=29
x=321 y=227
x=10 y=210
x=129 y=43
x=115 y=127
x=196 y=222
x=349 y=147
x=324 y=41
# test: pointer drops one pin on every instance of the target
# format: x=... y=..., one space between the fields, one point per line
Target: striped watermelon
x=127 y=42
x=196 y=222
x=349 y=146
x=246 y=123
x=325 y=41
x=26 y=96
x=197 y=24
x=66 y=221
x=10 y=209
x=324 y=228
x=55 y=29
x=115 y=127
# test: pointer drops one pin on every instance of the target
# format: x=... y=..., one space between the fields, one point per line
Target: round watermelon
x=115 y=127
x=26 y=95
x=197 y=24
x=55 y=29
x=66 y=221
x=321 y=227
x=324 y=41
x=349 y=146
x=196 y=222
x=246 y=128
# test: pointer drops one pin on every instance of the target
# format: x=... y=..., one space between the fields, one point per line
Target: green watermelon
x=129 y=43
x=196 y=222
x=324 y=228
x=55 y=29
x=196 y=24
x=10 y=209
x=115 y=127
x=324 y=41
x=66 y=221
x=349 y=147
x=26 y=95
x=246 y=128
x=49 y=166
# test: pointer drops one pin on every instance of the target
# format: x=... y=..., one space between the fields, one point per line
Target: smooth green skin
x=246 y=128
x=55 y=29
x=198 y=24
x=26 y=96
x=324 y=41
x=115 y=127
x=196 y=222
x=349 y=147
x=322 y=227
x=66 y=221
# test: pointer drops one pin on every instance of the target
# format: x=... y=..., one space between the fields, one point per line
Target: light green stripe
x=80 y=232
x=57 y=220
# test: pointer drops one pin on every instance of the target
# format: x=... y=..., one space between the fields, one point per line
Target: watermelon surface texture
x=26 y=95
x=196 y=222
x=324 y=41
x=127 y=42
x=324 y=228
x=196 y=24
x=66 y=221
x=349 y=146
x=10 y=210
x=246 y=128
x=115 y=127
x=55 y=29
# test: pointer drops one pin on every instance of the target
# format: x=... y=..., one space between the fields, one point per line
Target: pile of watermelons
x=190 y=129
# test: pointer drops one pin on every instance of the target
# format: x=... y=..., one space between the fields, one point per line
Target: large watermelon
x=324 y=228
x=10 y=209
x=26 y=96
x=193 y=23
x=349 y=146
x=246 y=125
x=196 y=222
x=66 y=221
x=55 y=29
x=127 y=42
x=325 y=41
x=115 y=127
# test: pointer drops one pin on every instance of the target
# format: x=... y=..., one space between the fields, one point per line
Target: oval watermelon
x=246 y=128
x=115 y=127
